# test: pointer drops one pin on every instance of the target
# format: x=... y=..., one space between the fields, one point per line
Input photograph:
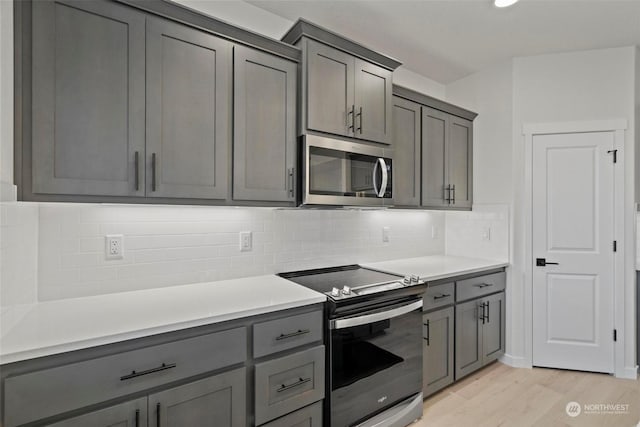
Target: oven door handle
x=375 y=317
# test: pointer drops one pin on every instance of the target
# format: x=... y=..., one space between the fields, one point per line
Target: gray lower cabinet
x=437 y=344
x=219 y=400
x=264 y=126
x=188 y=112
x=479 y=334
x=88 y=98
x=407 y=143
x=310 y=416
x=127 y=414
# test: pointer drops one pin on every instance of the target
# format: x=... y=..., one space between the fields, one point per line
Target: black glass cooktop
x=325 y=279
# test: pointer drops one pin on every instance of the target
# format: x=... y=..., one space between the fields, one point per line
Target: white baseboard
x=8 y=192
x=515 y=361
x=628 y=372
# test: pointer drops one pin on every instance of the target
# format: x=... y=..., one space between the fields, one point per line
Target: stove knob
x=414 y=278
x=335 y=292
x=346 y=290
x=406 y=280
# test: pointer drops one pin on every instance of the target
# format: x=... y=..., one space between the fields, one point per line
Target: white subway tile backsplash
x=464 y=232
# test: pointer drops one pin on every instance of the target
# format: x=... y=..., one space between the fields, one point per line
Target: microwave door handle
x=375 y=176
x=375 y=317
x=385 y=177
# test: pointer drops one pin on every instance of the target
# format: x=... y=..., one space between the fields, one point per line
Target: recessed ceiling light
x=504 y=3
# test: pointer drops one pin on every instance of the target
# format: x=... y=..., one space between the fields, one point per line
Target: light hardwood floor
x=499 y=395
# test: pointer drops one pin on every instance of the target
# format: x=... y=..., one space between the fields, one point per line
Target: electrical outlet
x=486 y=233
x=246 y=241
x=435 y=233
x=385 y=234
x=114 y=246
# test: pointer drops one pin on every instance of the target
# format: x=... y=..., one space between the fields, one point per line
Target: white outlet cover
x=246 y=241
x=486 y=233
x=435 y=232
x=385 y=234
x=114 y=246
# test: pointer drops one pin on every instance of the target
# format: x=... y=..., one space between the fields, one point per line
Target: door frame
x=617 y=127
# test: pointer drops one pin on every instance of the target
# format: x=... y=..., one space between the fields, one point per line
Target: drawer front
x=479 y=286
x=288 y=383
x=438 y=296
x=311 y=416
x=48 y=392
x=284 y=334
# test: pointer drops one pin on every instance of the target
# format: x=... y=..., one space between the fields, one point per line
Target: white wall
x=412 y=80
x=480 y=233
x=174 y=245
x=7 y=191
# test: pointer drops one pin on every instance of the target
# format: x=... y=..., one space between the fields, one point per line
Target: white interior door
x=573 y=227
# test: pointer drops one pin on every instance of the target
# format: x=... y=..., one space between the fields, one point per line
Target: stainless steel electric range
x=374 y=345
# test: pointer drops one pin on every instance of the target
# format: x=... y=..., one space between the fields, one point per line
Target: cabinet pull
x=296 y=384
x=136 y=169
x=360 y=125
x=453 y=191
x=292 y=334
x=447 y=194
x=158 y=414
x=353 y=120
x=482 y=316
x=292 y=172
x=160 y=368
x=153 y=172
x=428 y=337
x=488 y=307
x=437 y=297
x=137 y=419
x=483 y=285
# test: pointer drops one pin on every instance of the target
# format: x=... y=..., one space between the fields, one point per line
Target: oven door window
x=341 y=173
x=373 y=366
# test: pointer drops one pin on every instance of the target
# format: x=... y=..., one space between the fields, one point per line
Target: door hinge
x=615 y=155
x=615 y=335
x=615 y=246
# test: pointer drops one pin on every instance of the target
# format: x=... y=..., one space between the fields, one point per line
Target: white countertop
x=435 y=267
x=53 y=327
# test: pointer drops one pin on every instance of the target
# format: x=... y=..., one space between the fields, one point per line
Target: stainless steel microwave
x=344 y=173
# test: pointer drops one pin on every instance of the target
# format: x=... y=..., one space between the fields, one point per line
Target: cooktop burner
x=348 y=281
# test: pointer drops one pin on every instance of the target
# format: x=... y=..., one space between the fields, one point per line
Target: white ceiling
x=448 y=39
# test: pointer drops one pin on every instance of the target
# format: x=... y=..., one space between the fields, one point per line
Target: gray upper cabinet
x=437 y=343
x=188 y=112
x=407 y=146
x=373 y=88
x=435 y=131
x=329 y=92
x=346 y=87
x=219 y=400
x=88 y=98
x=460 y=161
x=127 y=414
x=264 y=130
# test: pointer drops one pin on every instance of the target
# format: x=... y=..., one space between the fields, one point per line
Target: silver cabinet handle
x=292 y=172
x=375 y=317
x=160 y=368
x=153 y=172
x=296 y=384
x=292 y=334
x=136 y=169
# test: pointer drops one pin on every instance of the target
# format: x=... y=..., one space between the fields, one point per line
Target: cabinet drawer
x=311 y=416
x=479 y=286
x=288 y=383
x=40 y=394
x=289 y=332
x=438 y=296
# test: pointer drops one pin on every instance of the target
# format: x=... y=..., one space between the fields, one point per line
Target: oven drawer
x=438 y=296
x=310 y=416
x=288 y=383
x=479 y=286
x=286 y=333
x=40 y=394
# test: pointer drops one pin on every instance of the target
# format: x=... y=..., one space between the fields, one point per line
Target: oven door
x=344 y=173
x=375 y=361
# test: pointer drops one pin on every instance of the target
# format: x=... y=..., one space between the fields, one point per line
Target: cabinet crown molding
x=432 y=102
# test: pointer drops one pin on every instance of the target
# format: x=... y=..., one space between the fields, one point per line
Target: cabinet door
x=264 y=137
x=406 y=154
x=188 y=112
x=373 y=88
x=435 y=132
x=88 y=98
x=330 y=89
x=437 y=343
x=127 y=414
x=219 y=400
x=460 y=159
x=468 y=338
x=493 y=340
